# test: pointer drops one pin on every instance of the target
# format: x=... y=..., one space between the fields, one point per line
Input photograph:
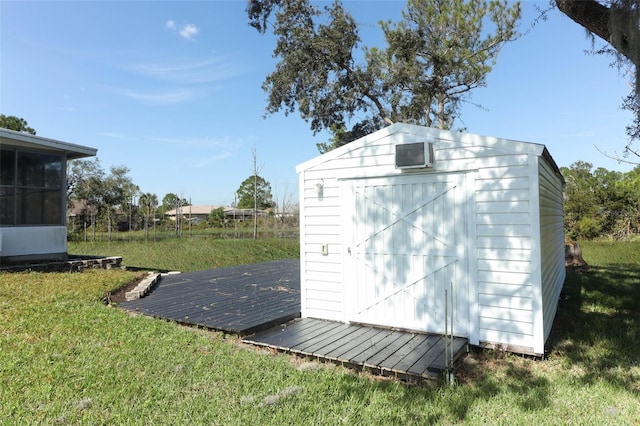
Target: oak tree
x=434 y=57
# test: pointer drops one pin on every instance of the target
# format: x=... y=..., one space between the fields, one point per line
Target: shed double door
x=406 y=256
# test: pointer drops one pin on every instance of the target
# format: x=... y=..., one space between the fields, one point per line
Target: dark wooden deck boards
x=256 y=298
x=239 y=299
x=402 y=353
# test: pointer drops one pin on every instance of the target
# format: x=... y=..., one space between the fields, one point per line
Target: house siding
x=24 y=243
x=501 y=217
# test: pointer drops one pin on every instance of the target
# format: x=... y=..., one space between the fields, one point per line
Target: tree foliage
x=148 y=202
x=439 y=53
x=434 y=58
x=216 y=218
x=101 y=193
x=84 y=181
x=601 y=202
x=258 y=186
x=18 y=124
x=119 y=189
x=172 y=201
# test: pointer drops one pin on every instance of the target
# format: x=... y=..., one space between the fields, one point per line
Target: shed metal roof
x=433 y=134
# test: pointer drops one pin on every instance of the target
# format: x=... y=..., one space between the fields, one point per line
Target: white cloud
x=191 y=72
x=206 y=161
x=222 y=145
x=204 y=151
x=114 y=135
x=179 y=80
x=189 y=31
x=160 y=98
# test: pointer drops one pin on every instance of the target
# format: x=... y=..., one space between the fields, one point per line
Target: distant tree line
x=108 y=201
x=601 y=203
x=100 y=198
x=17 y=124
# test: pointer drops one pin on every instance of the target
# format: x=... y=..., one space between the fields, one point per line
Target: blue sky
x=172 y=90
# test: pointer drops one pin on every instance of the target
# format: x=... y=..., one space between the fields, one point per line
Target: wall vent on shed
x=414 y=155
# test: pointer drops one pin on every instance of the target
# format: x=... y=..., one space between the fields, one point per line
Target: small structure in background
x=435 y=231
x=201 y=213
x=33 y=195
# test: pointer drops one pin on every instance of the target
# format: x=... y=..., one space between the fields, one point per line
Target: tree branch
x=588 y=13
x=596 y=18
x=617 y=157
x=367 y=94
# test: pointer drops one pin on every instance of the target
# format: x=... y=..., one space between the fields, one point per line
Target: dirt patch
x=117 y=296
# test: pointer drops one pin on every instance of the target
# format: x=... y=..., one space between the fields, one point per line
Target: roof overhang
x=27 y=140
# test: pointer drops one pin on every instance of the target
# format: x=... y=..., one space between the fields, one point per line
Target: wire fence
x=196 y=233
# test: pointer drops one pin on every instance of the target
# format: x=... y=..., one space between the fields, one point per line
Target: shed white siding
x=504 y=252
x=512 y=223
x=552 y=243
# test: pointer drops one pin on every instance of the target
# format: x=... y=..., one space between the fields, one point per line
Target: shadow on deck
x=262 y=303
x=403 y=354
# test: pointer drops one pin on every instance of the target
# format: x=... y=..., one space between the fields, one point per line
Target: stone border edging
x=146 y=285
x=143 y=287
x=73 y=264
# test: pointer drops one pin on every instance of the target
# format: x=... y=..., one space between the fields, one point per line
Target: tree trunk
x=441 y=113
x=109 y=224
x=597 y=19
x=573 y=255
x=255 y=195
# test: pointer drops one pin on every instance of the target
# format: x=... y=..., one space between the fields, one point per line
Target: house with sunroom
x=33 y=194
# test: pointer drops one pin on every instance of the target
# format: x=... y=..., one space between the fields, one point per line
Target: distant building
x=202 y=213
x=186 y=212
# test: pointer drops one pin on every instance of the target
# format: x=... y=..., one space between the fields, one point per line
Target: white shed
x=419 y=228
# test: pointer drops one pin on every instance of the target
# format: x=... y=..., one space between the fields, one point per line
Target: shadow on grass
x=596 y=333
x=498 y=373
x=597 y=327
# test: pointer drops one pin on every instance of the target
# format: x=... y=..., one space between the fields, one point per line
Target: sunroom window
x=31 y=185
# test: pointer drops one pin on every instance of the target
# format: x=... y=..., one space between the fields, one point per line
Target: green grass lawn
x=184 y=254
x=66 y=358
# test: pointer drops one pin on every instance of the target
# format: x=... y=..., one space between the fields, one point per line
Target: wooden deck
x=262 y=303
x=389 y=352
x=241 y=299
